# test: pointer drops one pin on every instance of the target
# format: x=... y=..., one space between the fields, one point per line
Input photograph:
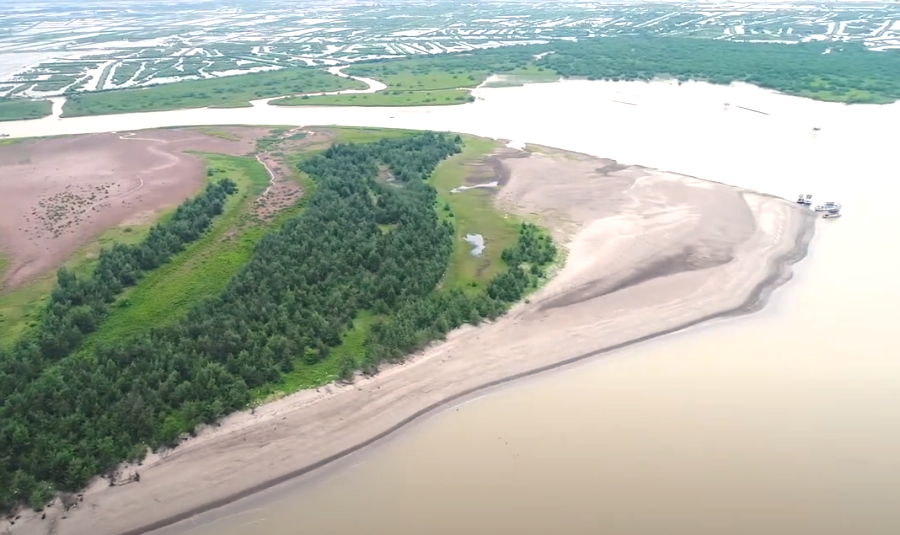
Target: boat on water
x=832 y=214
x=827 y=206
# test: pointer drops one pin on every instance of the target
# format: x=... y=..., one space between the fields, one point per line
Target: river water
x=785 y=421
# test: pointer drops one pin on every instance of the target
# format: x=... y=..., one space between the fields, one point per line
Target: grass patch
x=216 y=132
x=388 y=97
x=204 y=268
x=20 y=109
x=225 y=92
x=22 y=307
x=104 y=75
x=530 y=74
x=423 y=74
x=366 y=135
x=305 y=376
x=473 y=211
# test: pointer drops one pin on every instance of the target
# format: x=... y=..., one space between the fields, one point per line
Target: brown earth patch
x=56 y=194
x=284 y=190
x=246 y=135
x=491 y=169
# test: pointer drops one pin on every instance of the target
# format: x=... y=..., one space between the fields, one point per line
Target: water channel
x=785 y=421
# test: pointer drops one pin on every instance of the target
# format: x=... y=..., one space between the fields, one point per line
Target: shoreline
x=754 y=303
x=246 y=453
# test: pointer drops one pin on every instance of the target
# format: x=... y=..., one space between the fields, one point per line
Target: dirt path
x=268 y=170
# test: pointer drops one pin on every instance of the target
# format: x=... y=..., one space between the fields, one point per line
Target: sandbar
x=647 y=253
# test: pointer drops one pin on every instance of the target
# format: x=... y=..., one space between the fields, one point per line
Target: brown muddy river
x=783 y=422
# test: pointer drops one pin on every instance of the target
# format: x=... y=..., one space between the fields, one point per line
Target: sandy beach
x=648 y=253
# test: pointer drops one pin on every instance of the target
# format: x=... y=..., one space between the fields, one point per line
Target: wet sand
x=648 y=253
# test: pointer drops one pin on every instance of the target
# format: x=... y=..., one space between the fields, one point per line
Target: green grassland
x=437 y=97
x=434 y=81
x=22 y=307
x=204 y=267
x=451 y=71
x=366 y=135
x=225 y=92
x=216 y=132
x=19 y=109
x=472 y=211
x=422 y=74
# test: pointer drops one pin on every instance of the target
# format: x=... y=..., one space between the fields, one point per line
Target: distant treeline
x=17 y=109
x=359 y=245
x=840 y=72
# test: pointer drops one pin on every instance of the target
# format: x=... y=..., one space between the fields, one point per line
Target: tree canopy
x=360 y=244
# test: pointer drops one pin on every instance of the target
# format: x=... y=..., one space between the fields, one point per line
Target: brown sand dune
x=649 y=252
x=56 y=194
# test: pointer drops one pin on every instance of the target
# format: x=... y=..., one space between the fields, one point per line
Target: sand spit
x=648 y=253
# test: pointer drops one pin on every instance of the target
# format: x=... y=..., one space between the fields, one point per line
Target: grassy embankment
x=434 y=81
x=225 y=92
x=20 y=109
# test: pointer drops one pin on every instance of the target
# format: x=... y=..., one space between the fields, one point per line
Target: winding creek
x=784 y=421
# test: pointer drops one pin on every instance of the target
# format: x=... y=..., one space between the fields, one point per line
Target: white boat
x=831 y=215
x=827 y=206
x=804 y=198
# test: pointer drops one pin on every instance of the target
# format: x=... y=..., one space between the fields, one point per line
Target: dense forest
x=825 y=71
x=21 y=109
x=77 y=306
x=840 y=72
x=361 y=244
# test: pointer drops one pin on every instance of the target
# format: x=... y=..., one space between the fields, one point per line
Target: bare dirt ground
x=649 y=253
x=283 y=191
x=56 y=194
